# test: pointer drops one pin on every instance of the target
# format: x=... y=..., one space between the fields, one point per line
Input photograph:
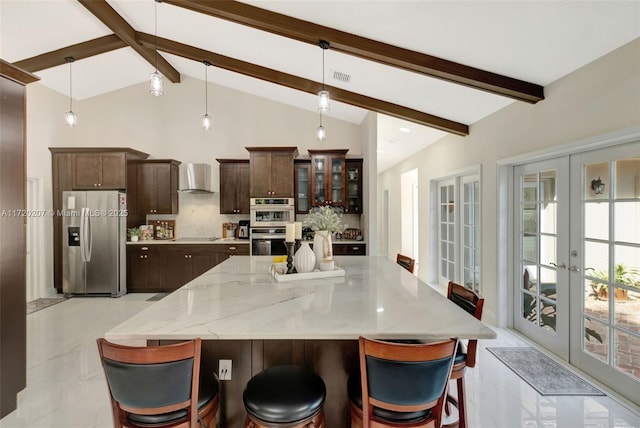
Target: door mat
x=38 y=304
x=157 y=297
x=542 y=373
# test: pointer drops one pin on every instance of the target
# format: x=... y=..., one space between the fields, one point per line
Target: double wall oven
x=269 y=217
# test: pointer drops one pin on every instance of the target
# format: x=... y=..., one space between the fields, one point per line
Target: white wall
x=602 y=97
x=169 y=127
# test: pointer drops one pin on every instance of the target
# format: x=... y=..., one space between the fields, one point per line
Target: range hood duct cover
x=195 y=178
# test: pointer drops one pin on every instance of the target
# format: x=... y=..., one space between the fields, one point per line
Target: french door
x=541 y=213
x=605 y=260
x=577 y=262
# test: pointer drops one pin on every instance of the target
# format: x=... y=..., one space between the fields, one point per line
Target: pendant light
x=323 y=98
x=323 y=95
x=206 y=119
x=156 y=82
x=70 y=118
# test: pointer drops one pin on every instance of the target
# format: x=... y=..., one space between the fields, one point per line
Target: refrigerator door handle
x=89 y=235
x=84 y=234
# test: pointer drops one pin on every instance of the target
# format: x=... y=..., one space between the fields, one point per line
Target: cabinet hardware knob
x=354 y=248
x=141 y=256
x=232 y=248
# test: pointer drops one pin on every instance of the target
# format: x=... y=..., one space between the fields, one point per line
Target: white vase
x=134 y=238
x=305 y=259
x=322 y=246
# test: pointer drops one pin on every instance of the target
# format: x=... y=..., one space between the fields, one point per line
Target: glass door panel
x=541 y=303
x=319 y=177
x=337 y=183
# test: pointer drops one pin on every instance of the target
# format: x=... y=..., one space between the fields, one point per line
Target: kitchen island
x=243 y=314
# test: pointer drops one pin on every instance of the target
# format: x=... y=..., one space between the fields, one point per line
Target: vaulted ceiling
x=430 y=67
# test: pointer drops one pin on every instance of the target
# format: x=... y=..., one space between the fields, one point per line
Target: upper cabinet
x=328 y=177
x=354 y=186
x=303 y=186
x=234 y=186
x=99 y=171
x=271 y=171
x=157 y=186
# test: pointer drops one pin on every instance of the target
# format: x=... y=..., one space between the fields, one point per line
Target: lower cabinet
x=158 y=268
x=349 y=249
x=345 y=249
x=144 y=269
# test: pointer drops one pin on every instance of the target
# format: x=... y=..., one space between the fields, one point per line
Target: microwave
x=271 y=212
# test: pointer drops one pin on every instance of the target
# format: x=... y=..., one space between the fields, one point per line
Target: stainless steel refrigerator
x=94 y=228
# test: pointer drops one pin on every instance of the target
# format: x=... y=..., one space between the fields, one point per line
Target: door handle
x=560 y=266
x=574 y=269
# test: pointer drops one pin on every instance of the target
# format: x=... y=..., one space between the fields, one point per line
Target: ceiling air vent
x=343 y=77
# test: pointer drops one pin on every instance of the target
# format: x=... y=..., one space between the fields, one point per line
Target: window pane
x=548 y=217
x=596 y=259
x=530 y=248
x=548 y=283
x=627 y=265
x=626 y=310
x=627 y=221
x=548 y=186
x=596 y=301
x=529 y=308
x=626 y=354
x=548 y=250
x=628 y=178
x=548 y=316
x=530 y=278
x=596 y=340
x=597 y=173
x=596 y=220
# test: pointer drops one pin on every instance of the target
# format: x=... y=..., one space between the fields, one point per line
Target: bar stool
x=285 y=396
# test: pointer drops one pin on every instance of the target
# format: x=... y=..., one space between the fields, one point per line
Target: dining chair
x=159 y=386
x=406 y=262
x=473 y=303
x=400 y=384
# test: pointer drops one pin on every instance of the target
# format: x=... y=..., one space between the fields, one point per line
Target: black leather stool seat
x=207 y=390
x=284 y=394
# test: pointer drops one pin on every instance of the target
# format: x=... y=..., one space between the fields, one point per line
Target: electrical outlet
x=224 y=370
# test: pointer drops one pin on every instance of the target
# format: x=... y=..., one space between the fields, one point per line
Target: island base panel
x=333 y=360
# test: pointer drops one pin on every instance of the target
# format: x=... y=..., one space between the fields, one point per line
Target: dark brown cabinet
x=157 y=187
x=13 y=337
x=234 y=186
x=328 y=181
x=99 y=171
x=354 y=186
x=185 y=262
x=344 y=249
x=157 y=268
x=77 y=168
x=302 y=186
x=271 y=171
x=144 y=269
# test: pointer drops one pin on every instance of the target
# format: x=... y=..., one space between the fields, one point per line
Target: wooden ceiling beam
x=363 y=47
x=77 y=51
x=302 y=84
x=109 y=17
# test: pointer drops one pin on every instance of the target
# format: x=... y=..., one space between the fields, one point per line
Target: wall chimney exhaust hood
x=195 y=178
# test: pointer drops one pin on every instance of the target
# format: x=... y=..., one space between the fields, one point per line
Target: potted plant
x=622 y=275
x=324 y=221
x=134 y=233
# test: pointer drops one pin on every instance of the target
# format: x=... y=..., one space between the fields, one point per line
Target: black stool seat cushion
x=354 y=390
x=284 y=394
x=207 y=390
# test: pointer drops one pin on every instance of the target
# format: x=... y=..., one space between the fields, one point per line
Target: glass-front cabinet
x=354 y=186
x=328 y=177
x=303 y=186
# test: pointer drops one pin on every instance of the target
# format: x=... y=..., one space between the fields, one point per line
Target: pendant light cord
x=70 y=87
x=156 y=34
x=206 y=89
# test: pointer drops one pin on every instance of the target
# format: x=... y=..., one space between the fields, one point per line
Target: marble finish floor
x=66 y=386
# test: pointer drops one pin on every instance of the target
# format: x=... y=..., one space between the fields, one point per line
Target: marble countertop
x=239 y=299
x=189 y=241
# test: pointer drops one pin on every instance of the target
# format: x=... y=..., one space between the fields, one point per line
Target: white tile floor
x=66 y=386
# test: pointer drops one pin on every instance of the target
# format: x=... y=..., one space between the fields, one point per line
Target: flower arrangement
x=324 y=218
